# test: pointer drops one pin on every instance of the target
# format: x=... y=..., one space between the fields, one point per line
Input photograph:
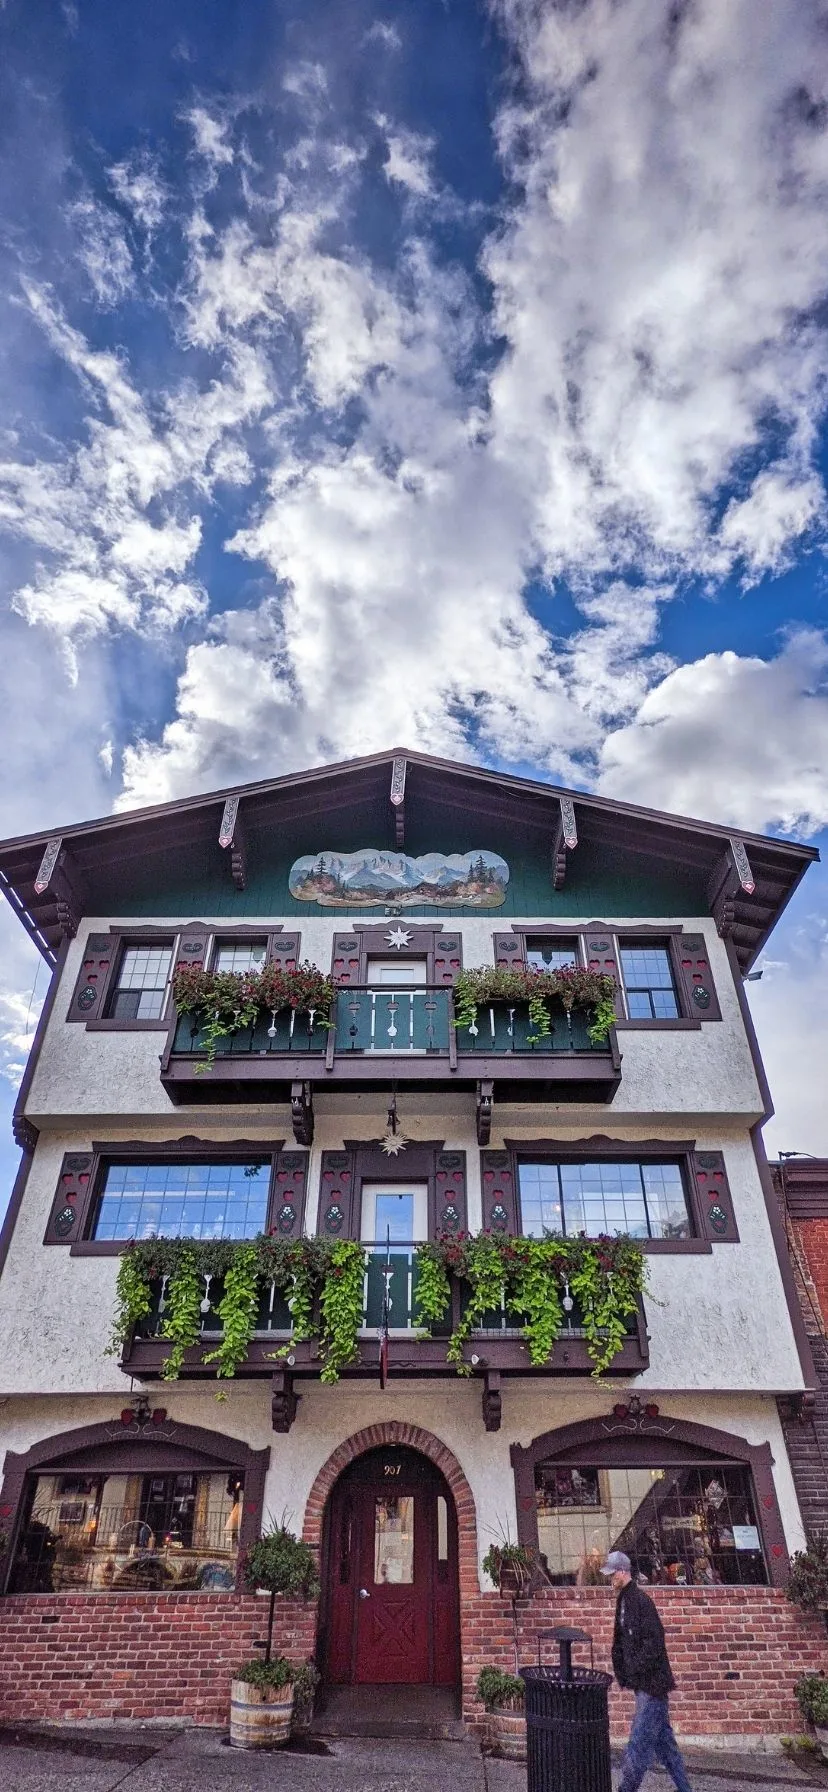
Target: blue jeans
x=651 y=1739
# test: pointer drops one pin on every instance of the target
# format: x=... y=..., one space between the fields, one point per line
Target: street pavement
x=149 y=1760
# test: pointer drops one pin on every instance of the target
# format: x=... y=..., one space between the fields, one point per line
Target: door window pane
x=648 y=982
x=238 y=956
x=141 y=983
x=551 y=954
x=400 y=971
x=394 y=1540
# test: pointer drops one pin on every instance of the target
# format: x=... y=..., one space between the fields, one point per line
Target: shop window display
x=111 y=1533
x=691 y=1525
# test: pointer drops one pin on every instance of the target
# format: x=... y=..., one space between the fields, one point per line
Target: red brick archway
x=395 y=1431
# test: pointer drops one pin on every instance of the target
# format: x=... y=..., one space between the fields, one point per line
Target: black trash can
x=567 y=1723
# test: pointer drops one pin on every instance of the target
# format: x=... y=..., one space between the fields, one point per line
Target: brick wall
x=806 y=1433
x=131 y=1655
x=736 y=1652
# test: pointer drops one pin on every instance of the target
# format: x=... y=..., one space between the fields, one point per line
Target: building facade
x=411 y=1107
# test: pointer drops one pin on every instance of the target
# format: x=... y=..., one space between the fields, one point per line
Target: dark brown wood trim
x=418 y=1163
x=102 y=1443
x=139 y=1151
x=803 y=1186
x=409 y=1358
x=24 y=1133
x=592 y=1439
x=623 y=1151
x=685 y=1025
x=373 y=943
x=127 y=1026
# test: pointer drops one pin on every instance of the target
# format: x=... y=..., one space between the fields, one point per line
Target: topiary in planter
x=808 y=1585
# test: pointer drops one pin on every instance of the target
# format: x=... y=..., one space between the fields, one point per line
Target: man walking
x=639 y=1658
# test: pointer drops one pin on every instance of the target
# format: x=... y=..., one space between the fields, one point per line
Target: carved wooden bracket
x=301 y=1112
x=492 y=1402
x=731 y=878
x=232 y=835
x=59 y=874
x=564 y=840
x=283 y=1401
x=799 y=1407
x=485 y=1102
x=397 y=795
x=24 y=1133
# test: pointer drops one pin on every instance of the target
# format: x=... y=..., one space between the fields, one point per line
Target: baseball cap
x=617 y=1563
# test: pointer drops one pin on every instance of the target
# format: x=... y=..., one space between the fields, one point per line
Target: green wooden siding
x=597 y=882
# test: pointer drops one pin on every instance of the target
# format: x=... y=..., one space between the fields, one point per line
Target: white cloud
x=732 y=739
x=766 y=527
x=407 y=159
x=139 y=186
x=381 y=33
x=656 y=279
x=102 y=249
x=210 y=137
x=790 y=1009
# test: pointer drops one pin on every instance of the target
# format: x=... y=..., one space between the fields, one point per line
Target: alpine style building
x=284 y=1149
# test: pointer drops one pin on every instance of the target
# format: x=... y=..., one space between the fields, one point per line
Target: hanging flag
x=386 y=1310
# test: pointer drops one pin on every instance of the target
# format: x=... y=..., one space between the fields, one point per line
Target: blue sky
x=450 y=372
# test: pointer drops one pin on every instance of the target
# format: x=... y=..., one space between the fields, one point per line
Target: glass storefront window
x=693 y=1525
x=112 y=1533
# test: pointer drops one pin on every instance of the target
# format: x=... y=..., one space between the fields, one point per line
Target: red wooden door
x=391 y=1574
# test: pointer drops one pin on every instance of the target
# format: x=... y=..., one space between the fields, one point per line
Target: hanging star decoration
x=393 y=1143
x=398 y=937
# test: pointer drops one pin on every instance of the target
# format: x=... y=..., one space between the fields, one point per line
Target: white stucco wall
x=112 y=1075
x=328 y=1416
x=717 y=1320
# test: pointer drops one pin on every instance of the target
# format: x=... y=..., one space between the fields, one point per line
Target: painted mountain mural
x=372 y=877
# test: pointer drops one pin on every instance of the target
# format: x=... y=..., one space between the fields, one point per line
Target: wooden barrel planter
x=260 y=1716
x=507 y=1733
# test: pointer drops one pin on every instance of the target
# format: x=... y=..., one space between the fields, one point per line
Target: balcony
x=495 y=1348
x=379 y=1036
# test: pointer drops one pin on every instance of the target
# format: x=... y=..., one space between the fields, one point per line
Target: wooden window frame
x=191 y=1150
x=373 y=943
x=134 y=936
x=623 y=1151
x=420 y=1162
x=669 y=935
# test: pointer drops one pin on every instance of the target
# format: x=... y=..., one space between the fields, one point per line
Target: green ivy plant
x=572 y=986
x=323 y=1281
x=606 y=1276
x=227 y=1002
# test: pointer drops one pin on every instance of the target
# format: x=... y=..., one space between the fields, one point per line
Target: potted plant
x=305 y=1682
x=808 y=1584
x=509 y=1567
x=503 y=1697
x=812 y=1695
x=262 y=1692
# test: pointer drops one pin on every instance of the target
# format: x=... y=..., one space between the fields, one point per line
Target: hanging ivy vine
x=323 y=1282
x=571 y=986
x=533 y=1277
x=227 y=1002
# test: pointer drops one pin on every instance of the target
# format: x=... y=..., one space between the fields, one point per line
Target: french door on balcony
x=394 y=1222
x=391 y=1571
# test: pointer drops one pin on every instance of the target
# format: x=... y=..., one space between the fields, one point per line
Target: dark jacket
x=639 y=1656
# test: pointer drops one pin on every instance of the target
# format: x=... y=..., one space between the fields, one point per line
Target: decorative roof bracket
x=283 y=1401
x=564 y=840
x=491 y=1401
x=731 y=878
x=232 y=835
x=301 y=1112
x=397 y=797
x=485 y=1102
x=59 y=875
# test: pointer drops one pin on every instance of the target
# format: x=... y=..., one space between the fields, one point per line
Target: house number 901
x=391 y=1468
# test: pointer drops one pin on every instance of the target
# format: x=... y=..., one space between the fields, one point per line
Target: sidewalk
x=157 y=1760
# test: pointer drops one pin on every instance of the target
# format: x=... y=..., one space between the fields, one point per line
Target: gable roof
x=99 y=851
